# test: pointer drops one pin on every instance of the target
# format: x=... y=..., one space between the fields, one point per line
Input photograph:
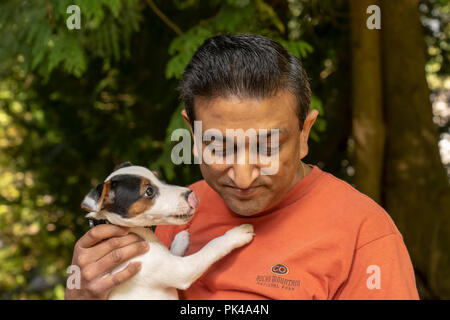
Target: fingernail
x=145 y=245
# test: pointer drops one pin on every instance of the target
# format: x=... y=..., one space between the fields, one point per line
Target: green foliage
x=73 y=103
x=46 y=114
x=436 y=19
x=232 y=17
x=39 y=38
x=320 y=124
x=183 y=48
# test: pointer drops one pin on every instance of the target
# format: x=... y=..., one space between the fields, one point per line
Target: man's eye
x=263 y=148
x=150 y=192
x=219 y=152
x=222 y=152
x=267 y=150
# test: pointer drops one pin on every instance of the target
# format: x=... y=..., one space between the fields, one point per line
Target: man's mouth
x=244 y=193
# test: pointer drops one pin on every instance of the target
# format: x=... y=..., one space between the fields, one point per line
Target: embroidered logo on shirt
x=277 y=280
x=280 y=269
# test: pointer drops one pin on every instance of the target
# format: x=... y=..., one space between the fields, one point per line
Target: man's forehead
x=229 y=117
x=281 y=107
x=253 y=133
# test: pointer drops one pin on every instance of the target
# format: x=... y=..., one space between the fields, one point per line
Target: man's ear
x=96 y=198
x=123 y=165
x=304 y=134
x=188 y=122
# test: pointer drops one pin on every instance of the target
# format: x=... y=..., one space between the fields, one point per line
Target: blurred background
x=74 y=103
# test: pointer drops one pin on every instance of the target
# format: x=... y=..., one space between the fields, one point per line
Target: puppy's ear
x=96 y=198
x=123 y=165
x=156 y=174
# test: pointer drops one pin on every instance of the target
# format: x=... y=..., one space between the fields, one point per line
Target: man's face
x=242 y=186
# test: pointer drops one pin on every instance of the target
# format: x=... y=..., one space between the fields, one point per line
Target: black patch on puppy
x=124 y=192
x=94 y=222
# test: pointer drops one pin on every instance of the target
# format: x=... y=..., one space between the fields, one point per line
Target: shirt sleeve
x=381 y=270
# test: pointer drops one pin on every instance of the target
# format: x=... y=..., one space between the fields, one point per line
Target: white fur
x=163 y=272
x=90 y=203
x=134 y=170
x=180 y=243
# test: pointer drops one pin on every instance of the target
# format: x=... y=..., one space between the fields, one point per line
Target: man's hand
x=97 y=253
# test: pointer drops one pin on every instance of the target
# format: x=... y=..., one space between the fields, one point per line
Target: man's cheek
x=211 y=172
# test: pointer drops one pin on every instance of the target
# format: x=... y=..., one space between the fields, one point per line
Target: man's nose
x=243 y=175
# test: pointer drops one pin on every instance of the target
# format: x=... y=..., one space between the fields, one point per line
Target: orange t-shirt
x=324 y=240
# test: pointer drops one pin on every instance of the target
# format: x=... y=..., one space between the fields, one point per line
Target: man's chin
x=244 y=208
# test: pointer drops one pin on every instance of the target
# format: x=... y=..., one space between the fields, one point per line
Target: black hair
x=245 y=66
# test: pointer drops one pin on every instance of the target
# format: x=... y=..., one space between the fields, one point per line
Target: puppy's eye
x=150 y=192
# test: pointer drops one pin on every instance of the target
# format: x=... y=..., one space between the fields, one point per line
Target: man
x=316 y=236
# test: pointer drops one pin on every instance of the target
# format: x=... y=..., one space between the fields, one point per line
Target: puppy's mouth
x=95 y=222
x=184 y=217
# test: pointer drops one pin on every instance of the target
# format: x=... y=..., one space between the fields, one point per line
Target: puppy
x=133 y=196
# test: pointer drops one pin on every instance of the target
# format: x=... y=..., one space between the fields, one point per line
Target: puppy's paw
x=242 y=234
x=180 y=244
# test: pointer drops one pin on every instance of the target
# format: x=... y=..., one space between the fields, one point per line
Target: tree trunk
x=416 y=190
x=367 y=109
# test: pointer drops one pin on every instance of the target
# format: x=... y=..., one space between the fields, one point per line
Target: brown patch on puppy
x=143 y=186
x=144 y=203
x=139 y=207
x=104 y=198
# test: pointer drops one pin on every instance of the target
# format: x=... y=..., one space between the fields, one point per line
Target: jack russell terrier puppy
x=133 y=196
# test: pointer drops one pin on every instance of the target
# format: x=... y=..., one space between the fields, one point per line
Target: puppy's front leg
x=180 y=243
x=190 y=268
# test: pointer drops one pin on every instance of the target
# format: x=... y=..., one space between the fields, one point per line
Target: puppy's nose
x=191 y=199
x=186 y=195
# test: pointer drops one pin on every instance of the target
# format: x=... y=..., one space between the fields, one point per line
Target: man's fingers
x=103 y=285
x=113 y=259
x=106 y=246
x=100 y=233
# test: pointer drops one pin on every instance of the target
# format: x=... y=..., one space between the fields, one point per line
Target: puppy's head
x=133 y=196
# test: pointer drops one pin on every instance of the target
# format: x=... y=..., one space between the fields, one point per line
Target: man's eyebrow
x=281 y=131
